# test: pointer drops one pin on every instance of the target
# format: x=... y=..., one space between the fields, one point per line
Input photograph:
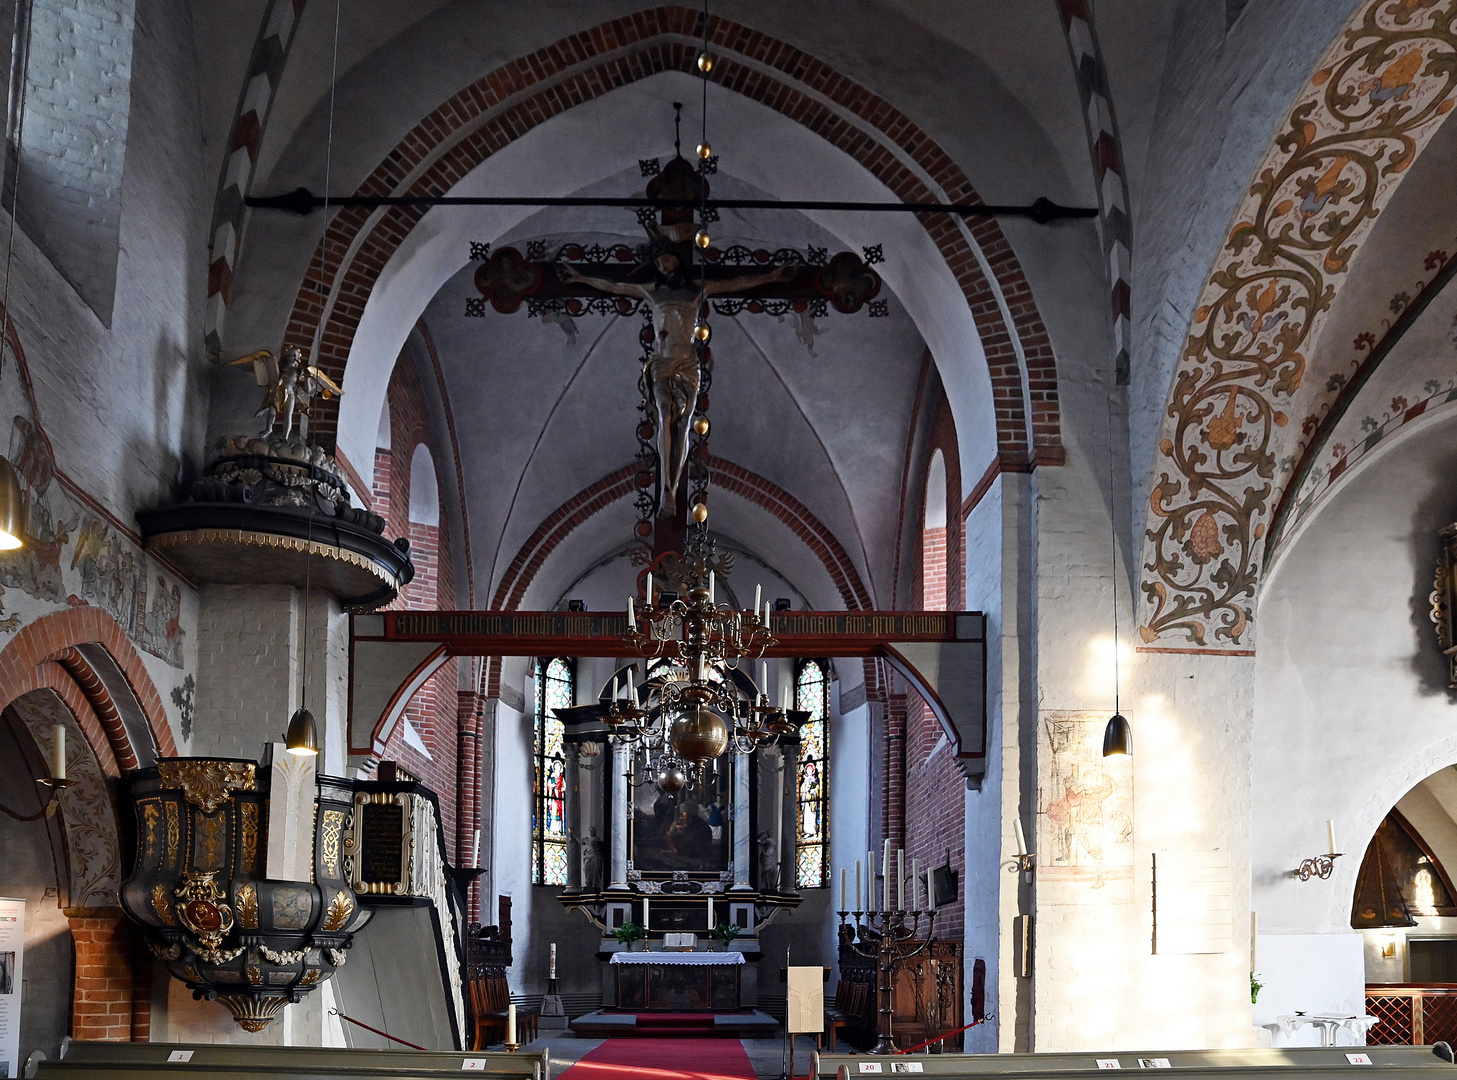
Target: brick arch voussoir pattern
x=446 y=145
x=43 y=653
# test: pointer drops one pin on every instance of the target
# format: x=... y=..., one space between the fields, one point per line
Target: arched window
x=555 y=689
x=812 y=788
x=934 y=578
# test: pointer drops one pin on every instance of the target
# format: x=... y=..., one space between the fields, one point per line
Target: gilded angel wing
x=327 y=387
x=263 y=365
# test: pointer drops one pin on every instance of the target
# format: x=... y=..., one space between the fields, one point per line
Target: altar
x=678 y=981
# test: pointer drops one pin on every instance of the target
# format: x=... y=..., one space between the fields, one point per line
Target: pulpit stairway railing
x=1412 y=1014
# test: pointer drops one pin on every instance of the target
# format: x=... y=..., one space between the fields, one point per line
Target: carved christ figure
x=672 y=370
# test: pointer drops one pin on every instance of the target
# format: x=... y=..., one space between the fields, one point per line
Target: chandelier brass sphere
x=705 y=151
x=700 y=512
x=702 y=333
x=701 y=425
x=699 y=736
x=705 y=62
x=672 y=778
x=702 y=238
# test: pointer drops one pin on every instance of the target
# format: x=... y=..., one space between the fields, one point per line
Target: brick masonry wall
x=101 y=1008
x=434 y=711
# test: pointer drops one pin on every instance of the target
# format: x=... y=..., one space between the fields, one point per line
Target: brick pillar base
x=101 y=1007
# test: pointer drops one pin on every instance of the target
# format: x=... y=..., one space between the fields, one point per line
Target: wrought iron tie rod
x=303 y=201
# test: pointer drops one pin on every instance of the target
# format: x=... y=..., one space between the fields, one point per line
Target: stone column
x=571 y=811
x=743 y=824
x=621 y=806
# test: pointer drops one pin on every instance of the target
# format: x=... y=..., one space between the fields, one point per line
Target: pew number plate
x=1359 y=1059
x=179 y=1055
x=1108 y=1063
x=895 y=1067
x=473 y=1065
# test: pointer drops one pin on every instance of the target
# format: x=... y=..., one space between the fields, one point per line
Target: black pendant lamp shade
x=1117 y=737
x=303 y=735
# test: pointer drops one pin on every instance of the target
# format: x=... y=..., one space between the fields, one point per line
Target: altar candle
x=710 y=912
x=649 y=593
x=844 y=877
x=1021 y=836
x=1330 y=835
x=511 y=1022
x=551 y=971
x=646 y=913
x=710 y=586
x=857 y=885
x=885 y=876
x=631 y=615
x=58 y=752
x=900 y=879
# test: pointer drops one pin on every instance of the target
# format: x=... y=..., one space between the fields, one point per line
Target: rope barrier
x=377 y=1031
x=944 y=1035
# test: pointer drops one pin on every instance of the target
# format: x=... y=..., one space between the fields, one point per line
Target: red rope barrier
x=377 y=1031
x=944 y=1035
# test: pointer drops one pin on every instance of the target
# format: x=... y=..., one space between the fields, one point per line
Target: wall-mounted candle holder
x=1321 y=866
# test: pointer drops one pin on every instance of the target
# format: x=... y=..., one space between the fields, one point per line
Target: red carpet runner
x=664 y=1059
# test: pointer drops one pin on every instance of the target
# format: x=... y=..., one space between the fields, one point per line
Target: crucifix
x=674 y=279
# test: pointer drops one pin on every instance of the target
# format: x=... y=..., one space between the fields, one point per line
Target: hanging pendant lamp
x=302 y=738
x=12 y=508
x=1117 y=737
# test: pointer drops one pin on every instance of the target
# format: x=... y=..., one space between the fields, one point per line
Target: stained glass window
x=812 y=852
x=554 y=690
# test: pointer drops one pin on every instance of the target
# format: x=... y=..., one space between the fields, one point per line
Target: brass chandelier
x=705 y=703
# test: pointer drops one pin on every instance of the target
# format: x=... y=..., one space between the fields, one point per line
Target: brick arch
x=44 y=654
x=723 y=475
x=502 y=106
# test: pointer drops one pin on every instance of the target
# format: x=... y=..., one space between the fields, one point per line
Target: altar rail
x=1414 y=1014
x=1286 y=1063
x=206 y=1061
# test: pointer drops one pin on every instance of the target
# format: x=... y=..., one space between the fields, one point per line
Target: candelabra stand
x=890 y=938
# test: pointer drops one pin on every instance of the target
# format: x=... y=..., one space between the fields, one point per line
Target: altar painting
x=688 y=830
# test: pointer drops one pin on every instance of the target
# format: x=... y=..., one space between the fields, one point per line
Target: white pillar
x=621 y=807
x=743 y=822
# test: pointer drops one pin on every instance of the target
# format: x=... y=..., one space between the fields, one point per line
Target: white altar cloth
x=709 y=958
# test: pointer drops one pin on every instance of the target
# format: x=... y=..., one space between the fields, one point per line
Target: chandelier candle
x=710 y=587
x=649 y=593
x=844 y=877
x=885 y=878
x=915 y=885
x=930 y=892
x=857 y=885
x=631 y=615
x=1330 y=835
x=900 y=879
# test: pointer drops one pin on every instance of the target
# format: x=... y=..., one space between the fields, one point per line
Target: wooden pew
x=97 y=1060
x=1294 y=1063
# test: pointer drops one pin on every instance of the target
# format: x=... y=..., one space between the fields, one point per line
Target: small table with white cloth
x=678 y=981
x=1329 y=1024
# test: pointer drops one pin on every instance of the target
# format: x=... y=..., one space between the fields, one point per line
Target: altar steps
x=607 y=1024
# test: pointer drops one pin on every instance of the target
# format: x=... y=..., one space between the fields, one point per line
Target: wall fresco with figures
x=73 y=555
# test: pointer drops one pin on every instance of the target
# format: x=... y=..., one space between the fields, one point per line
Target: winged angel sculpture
x=292 y=386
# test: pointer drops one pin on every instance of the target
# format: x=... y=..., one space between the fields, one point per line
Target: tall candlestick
x=1330 y=835
x=511 y=1022
x=857 y=885
x=649 y=593
x=885 y=873
x=58 y=752
x=1021 y=836
x=551 y=971
x=631 y=615
x=900 y=879
x=844 y=876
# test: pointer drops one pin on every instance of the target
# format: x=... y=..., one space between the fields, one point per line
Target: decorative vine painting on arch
x=1375 y=100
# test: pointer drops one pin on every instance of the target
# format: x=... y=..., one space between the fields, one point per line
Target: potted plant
x=1255 y=987
x=725 y=933
x=628 y=935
